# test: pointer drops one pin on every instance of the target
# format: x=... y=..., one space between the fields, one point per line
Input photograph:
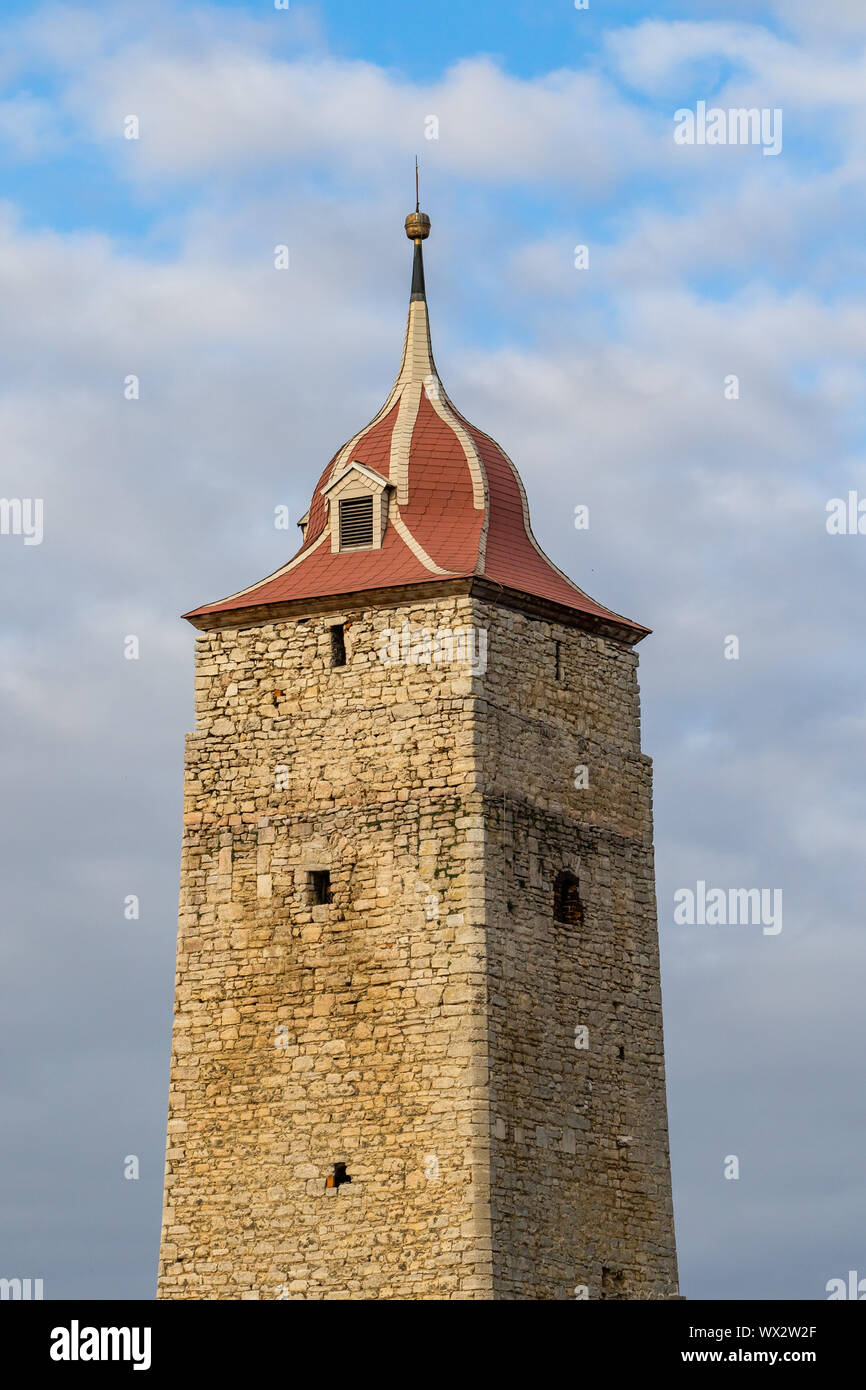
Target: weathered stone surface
x=419 y=1027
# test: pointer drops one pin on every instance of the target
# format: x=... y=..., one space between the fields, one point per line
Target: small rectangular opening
x=558 y=659
x=320 y=886
x=338 y=645
x=338 y=1177
x=567 y=904
x=356 y=522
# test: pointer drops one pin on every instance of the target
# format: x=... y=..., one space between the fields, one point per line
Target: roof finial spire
x=417 y=228
x=417 y=223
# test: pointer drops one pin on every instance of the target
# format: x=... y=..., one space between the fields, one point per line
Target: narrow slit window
x=338 y=645
x=356 y=523
x=567 y=906
x=320 y=886
x=558 y=660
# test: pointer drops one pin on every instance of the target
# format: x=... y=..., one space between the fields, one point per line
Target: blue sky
x=71 y=180
x=606 y=387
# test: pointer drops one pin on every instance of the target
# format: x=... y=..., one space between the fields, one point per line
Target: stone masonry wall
x=419 y=1028
x=580 y=1178
x=309 y=1035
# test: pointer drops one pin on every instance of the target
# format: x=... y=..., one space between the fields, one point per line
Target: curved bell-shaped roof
x=455 y=505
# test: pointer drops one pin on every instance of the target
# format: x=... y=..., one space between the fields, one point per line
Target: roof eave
x=610 y=625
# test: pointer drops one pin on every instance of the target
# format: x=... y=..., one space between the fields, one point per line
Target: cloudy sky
x=554 y=129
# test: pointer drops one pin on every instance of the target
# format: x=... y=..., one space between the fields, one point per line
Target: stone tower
x=417 y=1048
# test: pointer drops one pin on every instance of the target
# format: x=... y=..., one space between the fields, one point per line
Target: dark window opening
x=567 y=906
x=338 y=1177
x=621 y=1053
x=558 y=646
x=612 y=1283
x=356 y=522
x=320 y=886
x=338 y=645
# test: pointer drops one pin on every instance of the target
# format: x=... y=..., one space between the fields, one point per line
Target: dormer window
x=356 y=522
x=357 y=502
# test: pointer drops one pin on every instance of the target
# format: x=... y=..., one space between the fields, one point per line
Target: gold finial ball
x=417 y=226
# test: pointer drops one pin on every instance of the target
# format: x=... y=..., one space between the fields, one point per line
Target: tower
x=417 y=1050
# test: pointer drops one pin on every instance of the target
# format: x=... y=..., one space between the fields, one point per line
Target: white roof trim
x=360 y=468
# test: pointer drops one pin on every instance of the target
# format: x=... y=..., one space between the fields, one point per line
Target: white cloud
x=220 y=109
x=657 y=55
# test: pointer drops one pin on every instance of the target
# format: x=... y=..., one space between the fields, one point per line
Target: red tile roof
x=456 y=507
